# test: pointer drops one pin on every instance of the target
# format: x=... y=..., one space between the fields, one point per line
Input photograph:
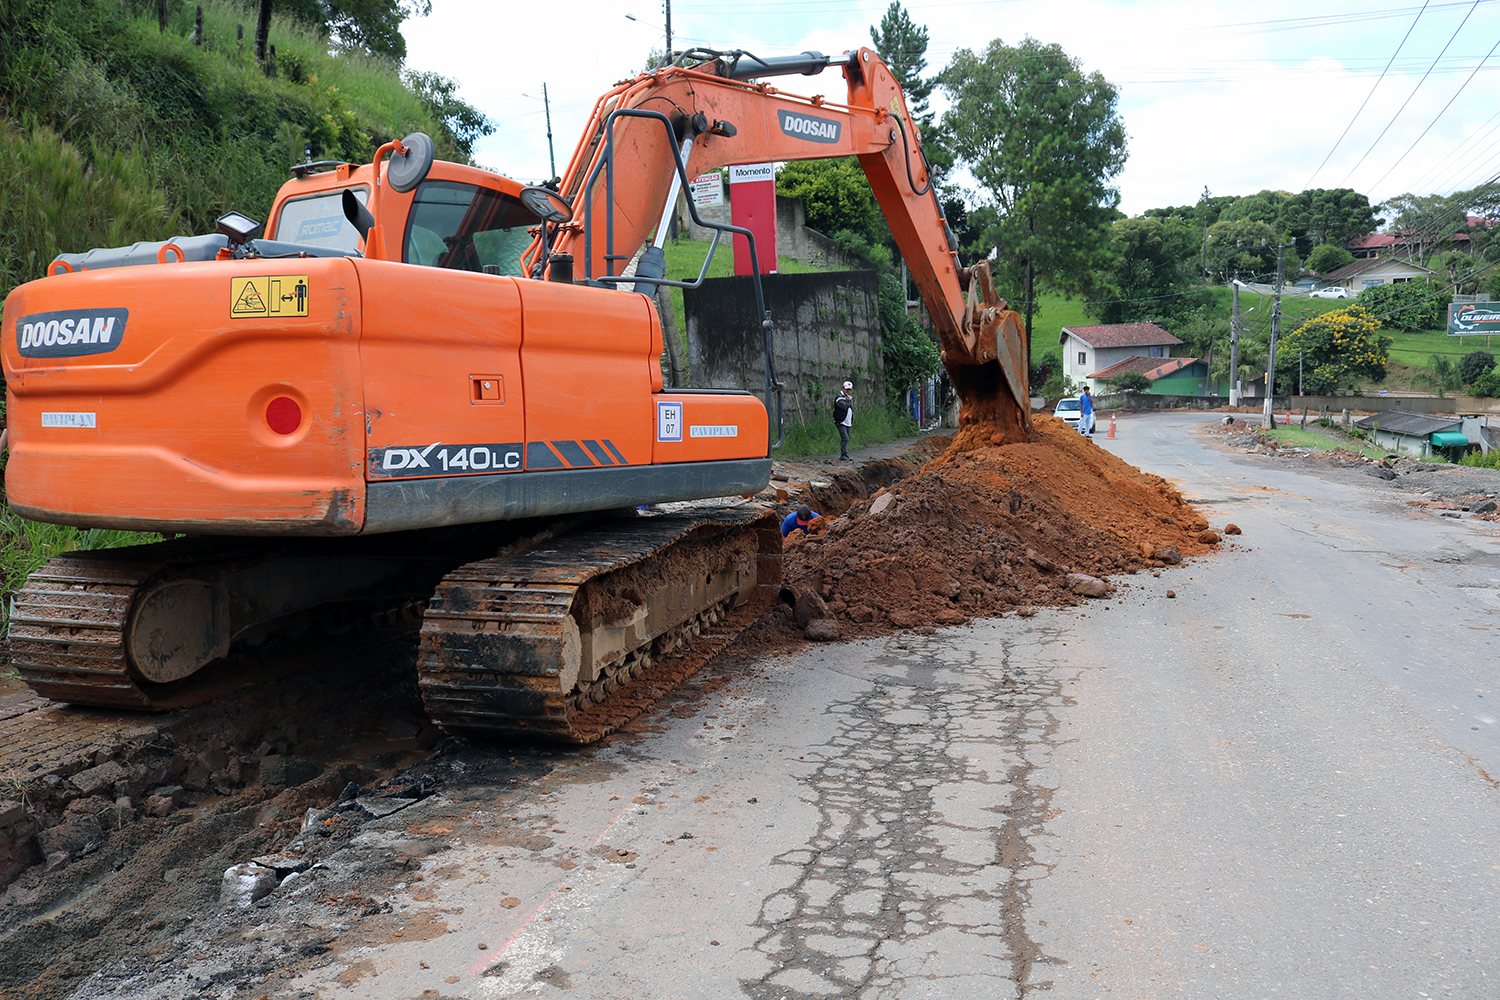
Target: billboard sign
x=1467 y=318
x=753 y=205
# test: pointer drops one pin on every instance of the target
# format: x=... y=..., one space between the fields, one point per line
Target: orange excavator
x=435 y=390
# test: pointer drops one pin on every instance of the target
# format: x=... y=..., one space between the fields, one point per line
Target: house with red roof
x=1090 y=349
x=1169 y=377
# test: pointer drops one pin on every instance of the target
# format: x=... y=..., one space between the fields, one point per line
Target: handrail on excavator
x=606 y=162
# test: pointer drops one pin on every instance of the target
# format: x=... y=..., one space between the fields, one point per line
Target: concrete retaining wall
x=826 y=330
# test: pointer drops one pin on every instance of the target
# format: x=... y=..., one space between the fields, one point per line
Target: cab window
x=465 y=227
x=318 y=219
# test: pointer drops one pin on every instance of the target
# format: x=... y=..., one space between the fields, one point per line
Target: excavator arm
x=624 y=173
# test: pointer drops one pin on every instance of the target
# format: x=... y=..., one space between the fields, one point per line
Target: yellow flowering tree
x=1336 y=348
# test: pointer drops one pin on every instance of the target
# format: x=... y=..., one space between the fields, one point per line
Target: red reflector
x=283 y=415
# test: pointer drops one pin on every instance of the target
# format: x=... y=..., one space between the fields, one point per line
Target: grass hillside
x=115 y=130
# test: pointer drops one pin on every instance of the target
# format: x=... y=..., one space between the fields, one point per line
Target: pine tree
x=902 y=45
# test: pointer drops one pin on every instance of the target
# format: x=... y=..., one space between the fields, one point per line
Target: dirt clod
x=1231 y=529
x=822 y=630
x=1087 y=586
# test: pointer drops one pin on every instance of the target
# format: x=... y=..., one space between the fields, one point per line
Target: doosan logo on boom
x=70 y=333
x=808 y=127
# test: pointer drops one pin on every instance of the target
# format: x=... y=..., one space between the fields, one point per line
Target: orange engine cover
x=333 y=396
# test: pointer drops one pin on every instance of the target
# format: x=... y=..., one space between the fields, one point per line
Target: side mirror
x=547 y=204
x=358 y=215
x=410 y=168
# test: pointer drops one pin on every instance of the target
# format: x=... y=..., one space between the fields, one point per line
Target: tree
x=910 y=355
x=1263 y=207
x=1474 y=365
x=1152 y=272
x=1337 y=346
x=1327 y=258
x=1247 y=247
x=836 y=195
x=1321 y=216
x=1130 y=382
x=1425 y=221
x=1044 y=140
x=464 y=123
x=1461 y=271
x=902 y=45
x=372 y=26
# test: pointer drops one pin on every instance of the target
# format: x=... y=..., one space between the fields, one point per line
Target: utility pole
x=547 y=110
x=1234 y=345
x=1270 y=420
x=668 y=5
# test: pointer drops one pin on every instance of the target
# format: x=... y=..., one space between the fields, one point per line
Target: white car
x=1069 y=410
x=1331 y=292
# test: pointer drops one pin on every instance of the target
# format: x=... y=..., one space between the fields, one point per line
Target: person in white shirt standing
x=843 y=419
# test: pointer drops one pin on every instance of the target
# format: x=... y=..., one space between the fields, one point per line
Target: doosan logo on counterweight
x=70 y=333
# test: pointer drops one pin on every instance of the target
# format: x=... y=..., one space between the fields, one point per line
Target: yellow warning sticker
x=268 y=297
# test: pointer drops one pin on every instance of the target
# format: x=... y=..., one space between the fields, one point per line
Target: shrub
x=1421 y=304
x=1487 y=384
x=1473 y=365
x=1130 y=382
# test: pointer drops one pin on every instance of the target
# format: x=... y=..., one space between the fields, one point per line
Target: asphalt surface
x=1279 y=782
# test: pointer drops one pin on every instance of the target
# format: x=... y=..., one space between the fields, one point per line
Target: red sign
x=752 y=204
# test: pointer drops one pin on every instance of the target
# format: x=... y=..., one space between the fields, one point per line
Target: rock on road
x=1280 y=783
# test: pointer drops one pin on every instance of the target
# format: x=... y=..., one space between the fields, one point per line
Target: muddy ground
x=334 y=781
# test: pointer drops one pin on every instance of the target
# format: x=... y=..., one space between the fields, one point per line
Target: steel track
x=498 y=651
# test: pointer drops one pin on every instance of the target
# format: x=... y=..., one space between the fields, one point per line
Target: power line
x=1371 y=94
x=1412 y=94
x=1440 y=114
x=1331 y=20
x=1472 y=142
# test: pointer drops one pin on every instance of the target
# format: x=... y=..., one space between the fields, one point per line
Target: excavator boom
x=621 y=177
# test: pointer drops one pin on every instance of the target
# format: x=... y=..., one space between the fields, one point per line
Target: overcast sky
x=1236 y=96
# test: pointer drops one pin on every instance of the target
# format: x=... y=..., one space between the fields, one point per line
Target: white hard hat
x=848 y=385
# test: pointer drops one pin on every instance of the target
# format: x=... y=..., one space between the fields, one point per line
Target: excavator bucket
x=997 y=331
x=988 y=365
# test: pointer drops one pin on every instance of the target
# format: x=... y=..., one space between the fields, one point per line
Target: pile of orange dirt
x=984 y=529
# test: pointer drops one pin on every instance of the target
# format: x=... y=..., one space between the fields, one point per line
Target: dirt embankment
x=984 y=529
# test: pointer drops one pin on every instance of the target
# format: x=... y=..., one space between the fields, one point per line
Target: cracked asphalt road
x=1279 y=783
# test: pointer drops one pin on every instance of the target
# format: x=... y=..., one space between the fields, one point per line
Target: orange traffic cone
x=1111 y=434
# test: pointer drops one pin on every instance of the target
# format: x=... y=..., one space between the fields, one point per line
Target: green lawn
x=1055 y=313
x=1417 y=349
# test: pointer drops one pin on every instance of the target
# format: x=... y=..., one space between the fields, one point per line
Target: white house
x=1090 y=349
x=1419 y=434
x=1364 y=274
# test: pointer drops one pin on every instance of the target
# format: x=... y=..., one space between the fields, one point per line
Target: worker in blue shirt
x=1086 y=412
x=798 y=520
